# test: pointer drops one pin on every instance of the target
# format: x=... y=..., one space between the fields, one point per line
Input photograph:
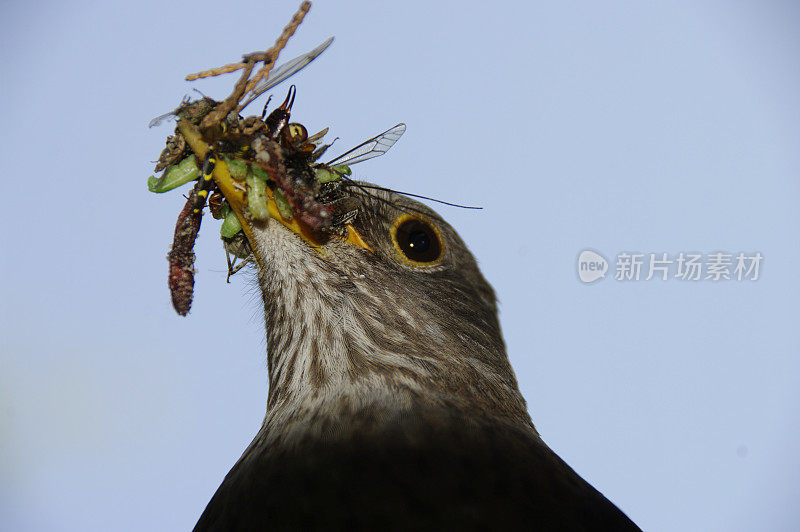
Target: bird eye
x=417 y=240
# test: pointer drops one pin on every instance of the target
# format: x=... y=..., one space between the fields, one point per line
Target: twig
x=228 y=104
x=225 y=69
x=280 y=43
x=269 y=57
x=245 y=84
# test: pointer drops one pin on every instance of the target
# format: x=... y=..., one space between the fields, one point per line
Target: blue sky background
x=615 y=126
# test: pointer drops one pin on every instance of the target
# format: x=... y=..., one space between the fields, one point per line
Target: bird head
x=394 y=318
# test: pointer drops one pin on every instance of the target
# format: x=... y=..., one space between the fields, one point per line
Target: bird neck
x=325 y=368
x=338 y=351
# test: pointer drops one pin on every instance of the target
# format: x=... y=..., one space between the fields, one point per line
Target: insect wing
x=373 y=147
x=316 y=137
x=159 y=119
x=285 y=71
x=290 y=68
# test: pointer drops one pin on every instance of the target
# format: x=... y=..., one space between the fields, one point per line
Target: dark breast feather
x=452 y=476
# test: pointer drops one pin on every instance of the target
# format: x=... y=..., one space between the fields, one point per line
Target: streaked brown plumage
x=392 y=403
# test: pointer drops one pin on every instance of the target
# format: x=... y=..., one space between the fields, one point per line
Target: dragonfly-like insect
x=339 y=167
x=277 y=76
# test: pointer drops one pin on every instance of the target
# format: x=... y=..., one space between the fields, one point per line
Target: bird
x=392 y=404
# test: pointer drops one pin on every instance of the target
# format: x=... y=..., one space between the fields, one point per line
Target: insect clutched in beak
x=276 y=176
x=258 y=169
